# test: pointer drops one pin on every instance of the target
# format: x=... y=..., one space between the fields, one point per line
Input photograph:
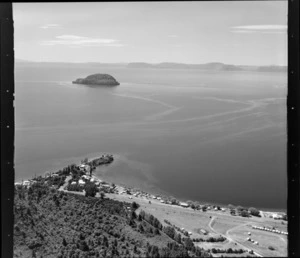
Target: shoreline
x=155 y=192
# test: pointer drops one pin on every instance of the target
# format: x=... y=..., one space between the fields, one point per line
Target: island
x=98 y=79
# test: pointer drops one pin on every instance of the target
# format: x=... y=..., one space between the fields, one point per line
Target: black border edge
x=293 y=123
x=7 y=127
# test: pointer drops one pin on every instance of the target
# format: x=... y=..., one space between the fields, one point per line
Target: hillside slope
x=49 y=223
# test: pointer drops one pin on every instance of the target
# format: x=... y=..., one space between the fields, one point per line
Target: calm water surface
x=199 y=135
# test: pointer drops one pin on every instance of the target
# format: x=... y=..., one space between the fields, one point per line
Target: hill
x=214 y=66
x=50 y=223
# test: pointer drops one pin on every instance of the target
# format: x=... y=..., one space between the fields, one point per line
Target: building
x=26 y=183
x=203 y=231
x=81 y=182
x=85 y=168
x=184 y=204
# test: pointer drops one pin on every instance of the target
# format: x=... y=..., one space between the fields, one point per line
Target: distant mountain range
x=214 y=66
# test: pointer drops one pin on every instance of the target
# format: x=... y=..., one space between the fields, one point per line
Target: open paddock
x=264 y=239
x=234 y=228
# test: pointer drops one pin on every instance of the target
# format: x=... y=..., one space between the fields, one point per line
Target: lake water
x=197 y=135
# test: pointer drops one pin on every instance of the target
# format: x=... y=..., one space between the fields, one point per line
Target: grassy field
x=234 y=228
x=265 y=239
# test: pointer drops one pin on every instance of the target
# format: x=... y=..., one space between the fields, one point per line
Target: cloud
x=50 y=26
x=79 y=41
x=173 y=36
x=266 y=28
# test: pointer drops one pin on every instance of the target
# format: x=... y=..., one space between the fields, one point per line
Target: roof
x=183 y=204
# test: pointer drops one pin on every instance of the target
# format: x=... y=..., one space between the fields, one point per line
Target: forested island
x=98 y=79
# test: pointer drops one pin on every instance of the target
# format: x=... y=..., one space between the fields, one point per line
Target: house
x=183 y=204
x=26 y=183
x=203 y=231
x=85 y=168
x=73 y=183
x=81 y=182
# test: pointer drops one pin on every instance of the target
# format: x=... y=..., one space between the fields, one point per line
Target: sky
x=233 y=32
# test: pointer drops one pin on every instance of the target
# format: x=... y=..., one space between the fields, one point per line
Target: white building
x=81 y=182
x=26 y=183
x=184 y=204
x=85 y=168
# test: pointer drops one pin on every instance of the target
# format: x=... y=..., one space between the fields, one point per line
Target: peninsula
x=98 y=79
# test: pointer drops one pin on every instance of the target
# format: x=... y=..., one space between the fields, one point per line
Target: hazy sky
x=246 y=32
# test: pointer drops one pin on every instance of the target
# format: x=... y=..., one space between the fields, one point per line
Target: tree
x=174 y=201
x=254 y=211
x=177 y=238
x=188 y=243
x=134 y=205
x=133 y=215
x=170 y=231
x=64 y=242
x=90 y=189
x=102 y=195
x=244 y=213
x=240 y=208
x=231 y=207
x=30 y=191
x=189 y=202
x=84 y=161
x=141 y=228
